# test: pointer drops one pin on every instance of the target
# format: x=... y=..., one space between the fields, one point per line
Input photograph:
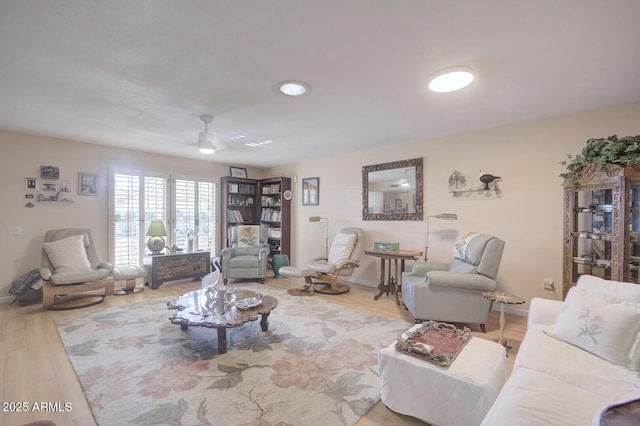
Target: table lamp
x=156 y=231
x=443 y=216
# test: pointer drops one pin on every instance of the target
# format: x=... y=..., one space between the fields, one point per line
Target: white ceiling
x=137 y=74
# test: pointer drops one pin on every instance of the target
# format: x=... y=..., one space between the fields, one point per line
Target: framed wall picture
x=87 y=184
x=238 y=172
x=311 y=191
x=31 y=183
x=49 y=172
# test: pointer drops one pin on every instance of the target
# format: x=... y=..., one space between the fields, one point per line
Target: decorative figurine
x=487 y=179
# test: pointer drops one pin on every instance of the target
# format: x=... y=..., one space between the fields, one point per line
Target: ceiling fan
x=207 y=140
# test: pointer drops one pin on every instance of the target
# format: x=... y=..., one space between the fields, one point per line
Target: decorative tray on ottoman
x=434 y=341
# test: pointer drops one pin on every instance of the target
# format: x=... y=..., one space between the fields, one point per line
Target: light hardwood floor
x=34 y=367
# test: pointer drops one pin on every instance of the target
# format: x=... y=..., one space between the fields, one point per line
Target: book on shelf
x=270 y=215
x=275 y=233
x=271 y=189
x=235 y=216
x=241 y=188
x=267 y=201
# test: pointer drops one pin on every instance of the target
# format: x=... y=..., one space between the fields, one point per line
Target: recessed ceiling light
x=257 y=144
x=293 y=88
x=451 y=79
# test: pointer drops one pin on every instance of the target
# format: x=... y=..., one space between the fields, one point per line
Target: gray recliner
x=453 y=291
x=247 y=256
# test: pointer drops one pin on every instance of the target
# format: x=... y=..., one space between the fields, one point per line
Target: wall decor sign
x=87 y=183
x=31 y=183
x=238 y=172
x=311 y=191
x=49 y=172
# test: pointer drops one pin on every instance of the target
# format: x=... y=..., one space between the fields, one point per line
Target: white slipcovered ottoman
x=460 y=394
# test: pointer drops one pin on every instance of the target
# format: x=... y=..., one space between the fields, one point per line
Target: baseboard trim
x=7 y=299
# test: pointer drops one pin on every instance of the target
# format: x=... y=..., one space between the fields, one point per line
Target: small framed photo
x=311 y=191
x=87 y=184
x=31 y=183
x=49 y=172
x=238 y=172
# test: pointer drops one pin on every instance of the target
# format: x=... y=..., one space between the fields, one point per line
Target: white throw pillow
x=597 y=285
x=341 y=248
x=606 y=330
x=68 y=254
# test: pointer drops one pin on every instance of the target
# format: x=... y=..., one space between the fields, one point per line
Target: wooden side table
x=390 y=284
x=170 y=267
x=503 y=299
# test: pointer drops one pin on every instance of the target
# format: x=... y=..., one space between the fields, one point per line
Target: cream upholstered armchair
x=342 y=260
x=70 y=265
x=453 y=291
x=247 y=256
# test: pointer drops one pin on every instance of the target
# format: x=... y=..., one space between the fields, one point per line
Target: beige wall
x=527 y=214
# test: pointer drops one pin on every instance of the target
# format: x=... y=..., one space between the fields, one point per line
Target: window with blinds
x=195 y=213
x=138 y=198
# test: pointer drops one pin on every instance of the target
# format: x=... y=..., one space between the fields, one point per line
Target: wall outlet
x=548 y=284
x=15 y=231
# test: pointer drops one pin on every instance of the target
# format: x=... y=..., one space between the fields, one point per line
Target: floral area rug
x=317 y=365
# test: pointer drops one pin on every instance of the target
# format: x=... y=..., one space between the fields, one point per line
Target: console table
x=170 y=267
x=392 y=284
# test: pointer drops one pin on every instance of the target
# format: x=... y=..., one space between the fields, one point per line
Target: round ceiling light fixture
x=451 y=79
x=293 y=88
x=206 y=138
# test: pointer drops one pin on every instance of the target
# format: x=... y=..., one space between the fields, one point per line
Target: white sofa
x=557 y=383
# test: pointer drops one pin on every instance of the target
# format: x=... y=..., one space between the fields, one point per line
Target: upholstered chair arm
x=420 y=269
x=315 y=259
x=346 y=264
x=106 y=266
x=45 y=273
x=228 y=253
x=458 y=280
x=264 y=253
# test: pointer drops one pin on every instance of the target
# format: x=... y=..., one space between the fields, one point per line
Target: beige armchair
x=453 y=291
x=247 y=257
x=70 y=265
x=322 y=273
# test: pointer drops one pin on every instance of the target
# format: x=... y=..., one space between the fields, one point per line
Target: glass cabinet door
x=591 y=249
x=634 y=233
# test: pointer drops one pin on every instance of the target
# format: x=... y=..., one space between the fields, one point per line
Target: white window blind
x=195 y=213
x=137 y=198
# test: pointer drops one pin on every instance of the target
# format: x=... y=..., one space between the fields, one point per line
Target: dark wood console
x=170 y=267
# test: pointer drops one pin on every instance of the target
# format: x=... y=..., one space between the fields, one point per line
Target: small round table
x=503 y=299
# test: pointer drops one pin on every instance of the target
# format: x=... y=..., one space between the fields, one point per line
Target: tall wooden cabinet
x=602 y=226
x=253 y=202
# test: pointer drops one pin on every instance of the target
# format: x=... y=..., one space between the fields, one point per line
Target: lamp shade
x=156 y=229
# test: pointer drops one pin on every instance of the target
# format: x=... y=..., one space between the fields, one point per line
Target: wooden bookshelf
x=258 y=201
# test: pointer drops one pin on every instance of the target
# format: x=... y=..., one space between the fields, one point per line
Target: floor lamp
x=326 y=239
x=443 y=216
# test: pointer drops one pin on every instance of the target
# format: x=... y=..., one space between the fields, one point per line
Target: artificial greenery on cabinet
x=602 y=155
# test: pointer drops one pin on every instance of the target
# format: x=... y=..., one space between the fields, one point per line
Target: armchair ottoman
x=460 y=394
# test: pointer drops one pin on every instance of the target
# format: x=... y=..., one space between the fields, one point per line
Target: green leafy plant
x=601 y=154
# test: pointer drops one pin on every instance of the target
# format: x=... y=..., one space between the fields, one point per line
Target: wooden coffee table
x=193 y=310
